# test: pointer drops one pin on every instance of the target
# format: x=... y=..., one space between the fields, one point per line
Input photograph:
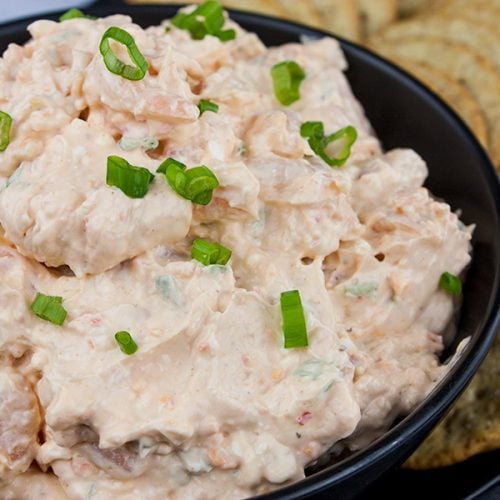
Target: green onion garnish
x=117 y=66
x=344 y=138
x=210 y=253
x=74 y=14
x=294 y=322
x=450 y=283
x=5 y=126
x=206 y=105
x=162 y=169
x=133 y=181
x=196 y=184
x=126 y=342
x=49 y=308
x=287 y=77
x=206 y=19
x=200 y=183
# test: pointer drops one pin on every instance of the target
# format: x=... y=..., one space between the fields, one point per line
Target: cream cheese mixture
x=211 y=404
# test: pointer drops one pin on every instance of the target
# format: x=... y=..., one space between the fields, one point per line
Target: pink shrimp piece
x=19 y=421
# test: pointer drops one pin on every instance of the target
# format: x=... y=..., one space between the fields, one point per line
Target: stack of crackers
x=453 y=46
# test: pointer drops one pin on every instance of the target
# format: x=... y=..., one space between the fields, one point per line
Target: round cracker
x=477 y=34
x=376 y=15
x=487 y=11
x=302 y=12
x=408 y=8
x=260 y=6
x=339 y=16
x=460 y=4
x=473 y=424
x=455 y=94
x=463 y=64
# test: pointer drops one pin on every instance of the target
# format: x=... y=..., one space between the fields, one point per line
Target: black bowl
x=404 y=114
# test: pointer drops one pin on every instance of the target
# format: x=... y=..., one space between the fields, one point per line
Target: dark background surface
x=476 y=478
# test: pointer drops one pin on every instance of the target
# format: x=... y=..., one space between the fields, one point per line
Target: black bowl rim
x=448 y=390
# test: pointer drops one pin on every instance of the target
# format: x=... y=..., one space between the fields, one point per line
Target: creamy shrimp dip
x=210 y=271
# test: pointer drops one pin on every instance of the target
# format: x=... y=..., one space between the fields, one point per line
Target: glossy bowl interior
x=404 y=114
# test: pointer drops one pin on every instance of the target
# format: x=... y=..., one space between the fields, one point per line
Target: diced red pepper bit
x=304 y=418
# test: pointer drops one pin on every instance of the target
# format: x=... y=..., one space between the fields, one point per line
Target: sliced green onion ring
x=117 y=66
x=206 y=19
x=315 y=134
x=196 y=184
x=74 y=14
x=5 y=127
x=126 y=342
x=210 y=253
x=162 y=169
x=133 y=181
x=200 y=183
x=175 y=174
x=49 y=308
x=293 y=319
x=287 y=77
x=450 y=284
x=206 y=105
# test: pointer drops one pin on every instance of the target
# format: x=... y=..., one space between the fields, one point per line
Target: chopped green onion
x=196 y=184
x=5 y=126
x=226 y=35
x=133 y=181
x=315 y=134
x=74 y=14
x=200 y=183
x=210 y=253
x=117 y=66
x=287 y=77
x=162 y=169
x=450 y=283
x=175 y=175
x=206 y=19
x=312 y=369
x=49 y=308
x=361 y=289
x=294 y=322
x=126 y=342
x=206 y=105
x=169 y=289
x=131 y=143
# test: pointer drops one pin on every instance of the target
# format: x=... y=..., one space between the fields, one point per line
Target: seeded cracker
x=462 y=63
x=473 y=424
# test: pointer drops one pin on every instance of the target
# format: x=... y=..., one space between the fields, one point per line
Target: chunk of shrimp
x=19 y=422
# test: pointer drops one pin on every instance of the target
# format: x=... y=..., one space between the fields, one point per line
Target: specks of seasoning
x=16 y=175
x=327 y=387
x=304 y=417
x=298 y=434
x=241 y=149
x=203 y=347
